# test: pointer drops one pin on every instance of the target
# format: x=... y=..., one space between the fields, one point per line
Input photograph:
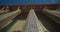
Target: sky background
x=28 y=2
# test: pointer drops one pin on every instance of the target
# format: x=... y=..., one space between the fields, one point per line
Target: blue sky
x=28 y=2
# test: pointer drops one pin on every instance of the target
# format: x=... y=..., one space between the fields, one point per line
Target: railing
x=33 y=24
x=2 y=11
x=55 y=15
x=6 y=18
